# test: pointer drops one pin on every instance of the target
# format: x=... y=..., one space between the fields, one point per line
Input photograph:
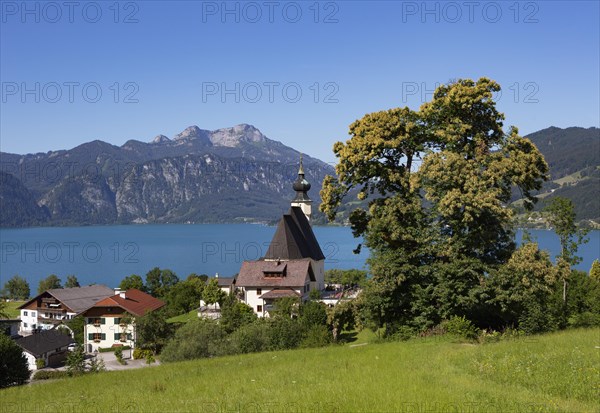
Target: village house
x=294 y=263
x=213 y=311
x=110 y=322
x=51 y=346
x=52 y=307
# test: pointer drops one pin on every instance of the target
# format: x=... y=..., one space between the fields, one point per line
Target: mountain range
x=233 y=174
x=227 y=175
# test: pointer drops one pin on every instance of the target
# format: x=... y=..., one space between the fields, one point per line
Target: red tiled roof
x=252 y=273
x=135 y=302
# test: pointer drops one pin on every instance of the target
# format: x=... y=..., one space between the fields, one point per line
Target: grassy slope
x=557 y=372
x=184 y=318
x=11 y=308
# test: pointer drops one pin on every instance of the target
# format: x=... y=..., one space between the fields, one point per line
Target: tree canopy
x=17 y=288
x=49 y=283
x=72 y=282
x=14 y=369
x=437 y=182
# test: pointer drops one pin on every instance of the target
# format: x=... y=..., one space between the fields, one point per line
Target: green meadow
x=12 y=308
x=558 y=372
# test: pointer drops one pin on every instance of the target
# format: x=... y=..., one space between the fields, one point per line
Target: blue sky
x=299 y=71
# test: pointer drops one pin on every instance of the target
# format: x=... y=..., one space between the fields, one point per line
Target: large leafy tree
x=132 y=281
x=153 y=331
x=212 y=293
x=17 y=288
x=561 y=216
x=72 y=282
x=14 y=369
x=438 y=183
x=159 y=282
x=49 y=283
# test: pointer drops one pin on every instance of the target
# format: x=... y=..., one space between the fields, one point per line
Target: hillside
x=18 y=207
x=554 y=372
x=573 y=156
x=227 y=175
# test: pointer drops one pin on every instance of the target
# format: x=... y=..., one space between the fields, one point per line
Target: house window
x=25 y=325
x=259 y=291
x=259 y=308
x=123 y=337
x=32 y=313
x=96 y=336
x=97 y=321
x=117 y=321
x=25 y=313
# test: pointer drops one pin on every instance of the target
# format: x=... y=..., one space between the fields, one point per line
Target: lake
x=106 y=254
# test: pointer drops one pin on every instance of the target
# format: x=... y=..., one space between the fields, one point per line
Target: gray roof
x=294 y=239
x=225 y=281
x=79 y=299
x=44 y=341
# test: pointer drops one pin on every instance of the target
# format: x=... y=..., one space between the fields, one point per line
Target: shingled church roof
x=294 y=239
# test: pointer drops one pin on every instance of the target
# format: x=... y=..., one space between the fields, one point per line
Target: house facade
x=294 y=264
x=52 y=307
x=111 y=321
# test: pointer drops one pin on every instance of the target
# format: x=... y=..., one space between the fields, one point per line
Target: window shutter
x=117 y=336
x=103 y=320
x=103 y=336
x=90 y=336
x=129 y=336
x=117 y=321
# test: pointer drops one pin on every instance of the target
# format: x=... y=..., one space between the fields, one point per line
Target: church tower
x=302 y=186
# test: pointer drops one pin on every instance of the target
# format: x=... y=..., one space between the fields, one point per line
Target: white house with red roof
x=294 y=262
x=110 y=322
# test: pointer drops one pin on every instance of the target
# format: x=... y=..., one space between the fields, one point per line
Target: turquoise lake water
x=106 y=254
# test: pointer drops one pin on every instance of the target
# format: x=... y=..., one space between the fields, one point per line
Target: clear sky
x=300 y=71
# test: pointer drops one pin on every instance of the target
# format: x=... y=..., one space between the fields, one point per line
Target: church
x=294 y=263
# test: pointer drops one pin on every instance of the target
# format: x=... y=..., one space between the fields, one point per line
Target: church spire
x=302 y=186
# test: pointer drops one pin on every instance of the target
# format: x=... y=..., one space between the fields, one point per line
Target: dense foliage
x=239 y=331
x=49 y=283
x=14 y=369
x=439 y=182
x=16 y=288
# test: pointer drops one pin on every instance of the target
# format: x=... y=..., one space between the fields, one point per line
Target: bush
x=14 y=368
x=403 y=333
x=112 y=349
x=196 y=339
x=460 y=327
x=251 y=338
x=119 y=355
x=49 y=374
x=316 y=336
x=139 y=353
x=585 y=319
x=285 y=333
x=40 y=363
x=536 y=319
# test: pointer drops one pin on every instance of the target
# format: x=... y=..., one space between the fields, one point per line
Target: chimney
x=120 y=292
x=216 y=275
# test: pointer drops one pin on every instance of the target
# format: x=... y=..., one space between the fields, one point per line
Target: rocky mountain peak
x=160 y=139
x=190 y=133
x=232 y=137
